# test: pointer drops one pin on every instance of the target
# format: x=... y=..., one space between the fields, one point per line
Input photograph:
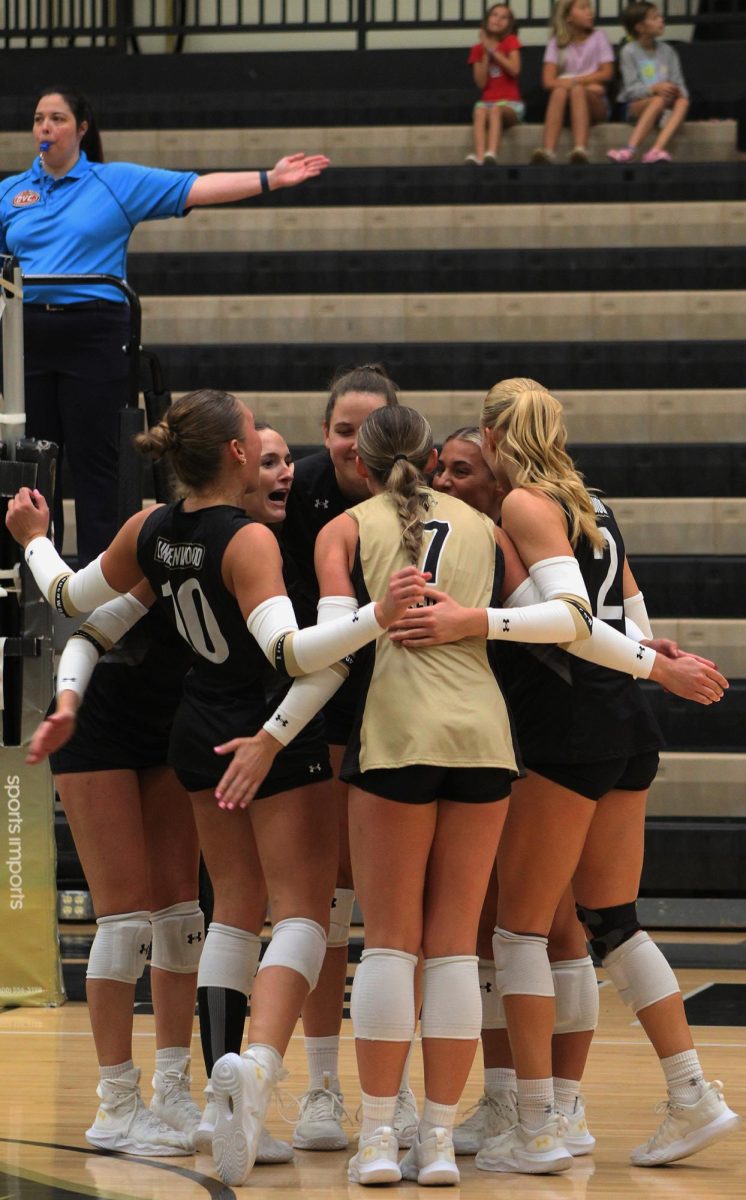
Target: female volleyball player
x=428 y=783
x=591 y=749
x=114 y=707
x=326 y=484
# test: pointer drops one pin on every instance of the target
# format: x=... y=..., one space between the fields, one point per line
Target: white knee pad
x=297 y=943
x=640 y=972
x=178 y=937
x=341 y=915
x=382 y=1004
x=493 y=1012
x=120 y=947
x=521 y=964
x=576 y=990
x=451 y=1000
x=229 y=959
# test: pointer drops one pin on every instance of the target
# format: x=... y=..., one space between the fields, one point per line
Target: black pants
x=77 y=372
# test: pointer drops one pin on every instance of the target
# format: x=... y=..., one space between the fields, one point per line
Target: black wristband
x=264 y=180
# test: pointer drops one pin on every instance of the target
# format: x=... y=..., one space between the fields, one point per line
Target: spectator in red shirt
x=496 y=62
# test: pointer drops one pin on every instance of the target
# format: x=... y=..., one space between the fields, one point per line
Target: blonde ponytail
x=527 y=424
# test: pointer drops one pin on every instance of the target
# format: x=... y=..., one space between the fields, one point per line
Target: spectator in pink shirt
x=578 y=64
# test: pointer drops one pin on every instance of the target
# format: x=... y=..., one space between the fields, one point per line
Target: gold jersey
x=442 y=705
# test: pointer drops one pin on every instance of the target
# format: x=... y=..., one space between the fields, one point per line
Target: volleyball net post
x=30 y=969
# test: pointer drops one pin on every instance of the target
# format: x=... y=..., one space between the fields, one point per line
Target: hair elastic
x=398 y=456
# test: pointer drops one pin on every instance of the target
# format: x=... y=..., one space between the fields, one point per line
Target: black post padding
x=15 y=475
x=129 y=496
x=10 y=627
x=25 y=618
x=42 y=456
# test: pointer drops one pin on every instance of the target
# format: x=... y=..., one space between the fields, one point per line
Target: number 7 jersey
x=443 y=705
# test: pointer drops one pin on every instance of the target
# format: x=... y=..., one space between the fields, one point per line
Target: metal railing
x=117 y=24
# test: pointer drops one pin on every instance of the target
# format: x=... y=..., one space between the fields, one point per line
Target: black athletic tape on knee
x=609 y=927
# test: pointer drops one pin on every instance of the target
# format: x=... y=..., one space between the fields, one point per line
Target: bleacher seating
x=619 y=287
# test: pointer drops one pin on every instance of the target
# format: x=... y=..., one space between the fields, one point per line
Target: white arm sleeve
x=72 y=593
x=634 y=608
x=296 y=651
x=310 y=693
x=559 y=576
x=633 y=631
x=547 y=621
x=77 y=664
x=551 y=603
x=609 y=648
x=605 y=647
x=99 y=633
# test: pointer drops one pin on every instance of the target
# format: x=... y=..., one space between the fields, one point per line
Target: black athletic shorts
x=120 y=726
x=422 y=785
x=294 y=767
x=339 y=713
x=199 y=727
x=594 y=780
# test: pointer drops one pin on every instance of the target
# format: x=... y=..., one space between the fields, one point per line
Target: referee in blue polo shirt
x=71 y=213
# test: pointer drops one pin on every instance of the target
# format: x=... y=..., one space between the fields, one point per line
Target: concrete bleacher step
x=592 y=416
x=364 y=146
x=446 y=317
x=325 y=272
x=724 y=642
x=692 y=586
x=682 y=526
x=447 y=365
x=449 y=227
x=698 y=785
x=695 y=728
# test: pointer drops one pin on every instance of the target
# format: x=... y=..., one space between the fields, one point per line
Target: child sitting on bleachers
x=578 y=65
x=496 y=61
x=653 y=87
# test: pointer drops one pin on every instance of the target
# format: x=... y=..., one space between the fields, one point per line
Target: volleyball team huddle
x=362 y=685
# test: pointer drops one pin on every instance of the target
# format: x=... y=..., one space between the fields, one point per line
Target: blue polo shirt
x=82 y=222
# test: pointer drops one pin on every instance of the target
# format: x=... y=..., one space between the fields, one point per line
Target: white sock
x=117 y=1071
x=436 y=1116
x=684 y=1076
x=377 y=1111
x=173 y=1058
x=323 y=1062
x=499 y=1079
x=535 y=1101
x=269 y=1058
x=404 y=1082
x=566 y=1092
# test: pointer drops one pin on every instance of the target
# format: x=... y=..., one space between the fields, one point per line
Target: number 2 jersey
x=232 y=688
x=567 y=710
x=443 y=705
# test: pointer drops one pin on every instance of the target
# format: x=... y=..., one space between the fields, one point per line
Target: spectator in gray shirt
x=653 y=88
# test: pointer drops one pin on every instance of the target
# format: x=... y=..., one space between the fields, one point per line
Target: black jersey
x=125 y=719
x=181 y=555
x=315 y=499
x=568 y=710
x=232 y=688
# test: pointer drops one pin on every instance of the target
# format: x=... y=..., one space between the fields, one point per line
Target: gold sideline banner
x=30 y=969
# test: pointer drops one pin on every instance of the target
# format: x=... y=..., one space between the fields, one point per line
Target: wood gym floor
x=48 y=1074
